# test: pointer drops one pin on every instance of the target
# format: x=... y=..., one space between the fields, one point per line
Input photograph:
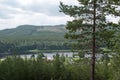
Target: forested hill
x=31 y=31
x=29 y=37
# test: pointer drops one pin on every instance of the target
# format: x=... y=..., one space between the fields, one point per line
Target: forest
x=90 y=32
x=24 y=38
x=60 y=68
x=24 y=46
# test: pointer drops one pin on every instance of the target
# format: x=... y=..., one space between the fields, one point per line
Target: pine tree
x=90 y=28
x=80 y=29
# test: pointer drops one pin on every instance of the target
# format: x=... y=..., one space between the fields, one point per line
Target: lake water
x=50 y=55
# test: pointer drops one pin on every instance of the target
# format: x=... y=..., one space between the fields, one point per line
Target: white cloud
x=35 y=12
x=25 y=2
x=111 y=18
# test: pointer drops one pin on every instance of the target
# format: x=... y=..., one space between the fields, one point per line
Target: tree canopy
x=90 y=27
x=80 y=28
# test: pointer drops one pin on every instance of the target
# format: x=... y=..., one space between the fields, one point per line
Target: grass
x=41 y=51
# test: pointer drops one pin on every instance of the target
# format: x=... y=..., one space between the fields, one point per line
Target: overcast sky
x=35 y=12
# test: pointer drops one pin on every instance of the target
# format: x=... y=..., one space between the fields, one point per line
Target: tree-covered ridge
x=31 y=30
x=29 y=37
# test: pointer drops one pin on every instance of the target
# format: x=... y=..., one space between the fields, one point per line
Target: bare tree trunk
x=94 y=45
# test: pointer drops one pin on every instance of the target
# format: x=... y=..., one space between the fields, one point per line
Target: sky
x=34 y=12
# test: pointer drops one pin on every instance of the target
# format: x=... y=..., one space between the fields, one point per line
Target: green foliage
x=80 y=29
x=17 y=68
x=24 y=46
x=29 y=37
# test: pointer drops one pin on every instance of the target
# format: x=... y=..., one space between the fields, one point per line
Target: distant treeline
x=26 y=45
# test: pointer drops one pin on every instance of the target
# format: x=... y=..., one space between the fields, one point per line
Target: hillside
x=25 y=38
x=31 y=31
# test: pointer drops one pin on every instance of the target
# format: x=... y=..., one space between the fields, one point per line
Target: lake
x=50 y=55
